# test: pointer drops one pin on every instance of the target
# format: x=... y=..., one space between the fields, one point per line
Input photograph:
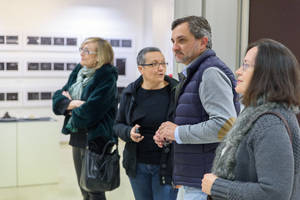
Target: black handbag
x=100 y=173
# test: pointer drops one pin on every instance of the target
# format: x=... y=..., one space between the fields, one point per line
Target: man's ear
x=204 y=41
x=140 y=68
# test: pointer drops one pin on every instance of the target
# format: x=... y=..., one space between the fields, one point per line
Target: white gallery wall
x=146 y=23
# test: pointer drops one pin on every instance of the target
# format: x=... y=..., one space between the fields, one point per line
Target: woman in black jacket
x=89 y=103
x=145 y=104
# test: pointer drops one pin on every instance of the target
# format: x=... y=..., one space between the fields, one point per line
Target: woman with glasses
x=259 y=159
x=89 y=103
x=144 y=105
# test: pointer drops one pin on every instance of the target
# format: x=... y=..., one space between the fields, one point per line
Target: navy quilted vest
x=192 y=161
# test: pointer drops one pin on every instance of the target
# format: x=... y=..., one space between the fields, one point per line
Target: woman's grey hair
x=140 y=59
x=199 y=27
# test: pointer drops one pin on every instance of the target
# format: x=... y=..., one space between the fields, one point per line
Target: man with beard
x=207 y=105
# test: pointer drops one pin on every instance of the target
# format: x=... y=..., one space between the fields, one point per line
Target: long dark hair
x=276 y=75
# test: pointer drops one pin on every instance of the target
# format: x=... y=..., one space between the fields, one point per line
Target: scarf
x=83 y=77
x=224 y=162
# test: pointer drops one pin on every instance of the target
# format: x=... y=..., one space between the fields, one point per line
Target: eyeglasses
x=156 y=65
x=85 y=51
x=245 y=66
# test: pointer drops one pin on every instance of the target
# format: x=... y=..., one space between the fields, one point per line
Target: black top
x=154 y=105
x=125 y=121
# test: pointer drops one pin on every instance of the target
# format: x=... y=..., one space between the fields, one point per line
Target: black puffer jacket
x=124 y=124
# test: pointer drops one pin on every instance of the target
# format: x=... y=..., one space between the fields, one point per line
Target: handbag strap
x=282 y=119
x=110 y=142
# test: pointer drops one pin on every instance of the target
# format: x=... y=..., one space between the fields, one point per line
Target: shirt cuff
x=176 y=135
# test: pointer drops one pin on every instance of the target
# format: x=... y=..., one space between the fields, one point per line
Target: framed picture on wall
x=46 y=40
x=2 y=41
x=2 y=64
x=59 y=41
x=115 y=42
x=127 y=43
x=12 y=66
x=46 y=95
x=58 y=66
x=12 y=39
x=38 y=96
x=2 y=96
x=71 y=42
x=32 y=66
x=33 y=40
x=12 y=96
x=33 y=96
x=121 y=65
x=54 y=42
x=46 y=66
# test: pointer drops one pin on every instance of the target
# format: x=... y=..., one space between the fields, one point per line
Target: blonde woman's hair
x=105 y=53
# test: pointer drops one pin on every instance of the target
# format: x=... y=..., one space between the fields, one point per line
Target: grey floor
x=66 y=188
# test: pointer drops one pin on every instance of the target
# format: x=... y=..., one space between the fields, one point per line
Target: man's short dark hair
x=140 y=59
x=276 y=75
x=199 y=27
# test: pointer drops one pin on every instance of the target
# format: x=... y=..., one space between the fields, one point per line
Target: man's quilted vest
x=192 y=161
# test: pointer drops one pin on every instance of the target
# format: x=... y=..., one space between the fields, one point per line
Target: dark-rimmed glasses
x=156 y=65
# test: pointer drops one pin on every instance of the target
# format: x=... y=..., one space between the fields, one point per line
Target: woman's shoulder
x=270 y=125
x=106 y=72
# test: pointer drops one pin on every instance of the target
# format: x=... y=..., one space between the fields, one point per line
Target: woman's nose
x=239 y=71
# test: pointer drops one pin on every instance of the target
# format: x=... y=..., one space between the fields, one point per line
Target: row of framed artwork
x=53 y=43
x=52 y=68
x=30 y=97
x=25 y=97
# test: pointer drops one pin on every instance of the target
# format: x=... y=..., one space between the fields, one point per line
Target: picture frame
x=2 y=66
x=32 y=96
x=58 y=66
x=59 y=41
x=46 y=95
x=46 y=40
x=114 y=42
x=33 y=40
x=126 y=43
x=124 y=59
x=38 y=96
x=2 y=39
x=33 y=66
x=45 y=66
x=71 y=41
x=11 y=66
x=121 y=66
x=2 y=96
x=10 y=41
x=51 y=42
x=49 y=67
x=10 y=97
